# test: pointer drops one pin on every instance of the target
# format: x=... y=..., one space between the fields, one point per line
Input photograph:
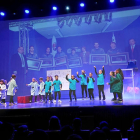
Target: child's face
x=56 y=77
x=48 y=78
x=100 y=71
x=72 y=77
x=83 y=71
x=90 y=74
x=40 y=81
x=0 y=83
x=110 y=73
x=33 y=79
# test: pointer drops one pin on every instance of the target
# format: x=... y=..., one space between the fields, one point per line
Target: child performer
x=83 y=82
x=41 y=91
x=57 y=87
x=3 y=91
x=100 y=82
x=90 y=81
x=12 y=88
x=34 y=89
x=52 y=87
x=72 y=86
x=112 y=84
x=47 y=88
x=119 y=84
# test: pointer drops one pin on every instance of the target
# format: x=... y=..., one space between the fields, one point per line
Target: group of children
x=45 y=89
x=116 y=83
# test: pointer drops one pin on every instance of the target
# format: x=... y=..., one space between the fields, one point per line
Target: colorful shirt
x=48 y=86
x=90 y=81
x=83 y=79
x=72 y=82
x=56 y=84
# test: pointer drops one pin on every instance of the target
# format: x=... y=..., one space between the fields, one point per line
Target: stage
x=128 y=101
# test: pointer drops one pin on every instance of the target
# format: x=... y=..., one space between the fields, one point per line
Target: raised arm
x=95 y=71
x=78 y=74
x=67 y=77
x=103 y=70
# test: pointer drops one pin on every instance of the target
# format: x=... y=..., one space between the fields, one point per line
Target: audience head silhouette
x=77 y=124
x=54 y=123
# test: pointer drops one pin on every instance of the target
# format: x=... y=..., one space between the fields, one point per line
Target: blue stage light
x=82 y=4
x=54 y=8
x=2 y=13
x=112 y=1
x=27 y=11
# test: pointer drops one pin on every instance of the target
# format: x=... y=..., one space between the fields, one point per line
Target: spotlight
x=2 y=13
x=112 y=1
x=27 y=11
x=67 y=8
x=54 y=8
x=82 y=4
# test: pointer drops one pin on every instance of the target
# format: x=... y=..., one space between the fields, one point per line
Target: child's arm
x=67 y=77
x=78 y=74
x=77 y=80
x=28 y=84
x=93 y=79
x=95 y=71
x=103 y=70
x=87 y=79
x=84 y=74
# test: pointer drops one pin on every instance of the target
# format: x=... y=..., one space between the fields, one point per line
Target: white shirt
x=133 y=46
x=22 y=59
x=12 y=87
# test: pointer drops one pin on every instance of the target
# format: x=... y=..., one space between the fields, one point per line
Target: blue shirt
x=59 y=54
x=100 y=79
x=113 y=51
x=90 y=83
x=83 y=79
x=71 y=56
x=97 y=51
x=34 y=55
x=57 y=84
x=47 y=56
x=72 y=85
x=47 y=86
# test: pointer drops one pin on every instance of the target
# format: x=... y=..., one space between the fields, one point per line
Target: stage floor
x=129 y=101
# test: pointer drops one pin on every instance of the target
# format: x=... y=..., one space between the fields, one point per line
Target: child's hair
x=51 y=78
x=56 y=76
x=13 y=76
x=35 y=79
x=113 y=73
x=121 y=73
x=2 y=80
x=41 y=78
